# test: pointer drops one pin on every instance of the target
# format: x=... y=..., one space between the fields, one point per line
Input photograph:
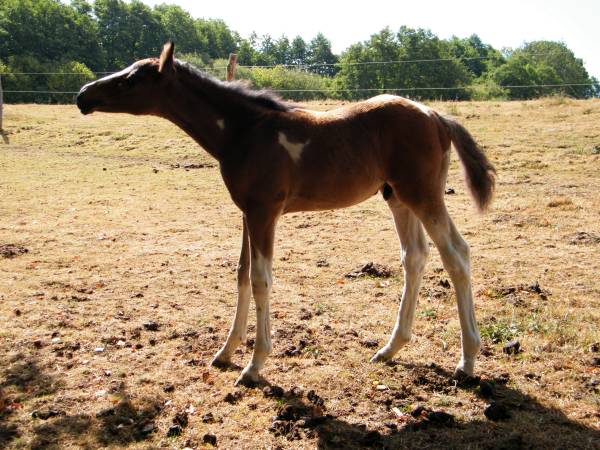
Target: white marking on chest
x=294 y=149
x=221 y=124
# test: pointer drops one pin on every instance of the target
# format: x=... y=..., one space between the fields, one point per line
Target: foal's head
x=135 y=90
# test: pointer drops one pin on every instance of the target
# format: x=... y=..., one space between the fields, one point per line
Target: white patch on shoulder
x=221 y=124
x=294 y=149
x=423 y=108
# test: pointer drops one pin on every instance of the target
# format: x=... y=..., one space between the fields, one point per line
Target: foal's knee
x=414 y=257
x=261 y=286
x=260 y=276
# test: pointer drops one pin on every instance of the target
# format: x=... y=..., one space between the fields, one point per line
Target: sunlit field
x=118 y=250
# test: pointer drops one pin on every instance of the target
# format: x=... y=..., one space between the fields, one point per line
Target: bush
x=69 y=77
x=27 y=74
x=293 y=84
x=487 y=90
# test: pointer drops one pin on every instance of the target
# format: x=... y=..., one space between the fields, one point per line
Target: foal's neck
x=187 y=109
x=210 y=111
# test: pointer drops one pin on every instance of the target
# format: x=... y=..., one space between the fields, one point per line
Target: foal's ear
x=166 y=57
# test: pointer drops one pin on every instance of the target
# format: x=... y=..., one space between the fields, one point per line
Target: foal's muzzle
x=85 y=104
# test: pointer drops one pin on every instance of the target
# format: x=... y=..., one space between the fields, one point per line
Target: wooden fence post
x=1 y=104
x=231 y=66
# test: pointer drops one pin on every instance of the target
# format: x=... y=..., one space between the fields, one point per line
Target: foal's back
x=343 y=156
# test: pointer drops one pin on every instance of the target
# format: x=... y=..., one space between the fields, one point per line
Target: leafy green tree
x=519 y=72
x=146 y=30
x=595 y=88
x=354 y=74
x=246 y=52
x=418 y=60
x=433 y=67
x=64 y=36
x=179 y=27
x=267 y=51
x=49 y=30
x=298 y=51
x=116 y=35
x=220 y=40
x=558 y=57
x=83 y=7
x=282 y=51
x=478 y=57
x=321 y=56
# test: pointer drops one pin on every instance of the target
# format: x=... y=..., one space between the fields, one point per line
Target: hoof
x=465 y=369
x=382 y=355
x=379 y=357
x=220 y=363
x=249 y=380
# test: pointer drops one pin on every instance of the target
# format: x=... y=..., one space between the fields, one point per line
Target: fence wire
x=334 y=90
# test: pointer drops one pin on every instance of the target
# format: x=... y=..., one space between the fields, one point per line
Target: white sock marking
x=221 y=124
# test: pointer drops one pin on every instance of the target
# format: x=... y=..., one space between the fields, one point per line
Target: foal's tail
x=480 y=173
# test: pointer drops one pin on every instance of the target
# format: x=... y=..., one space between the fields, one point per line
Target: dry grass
x=117 y=237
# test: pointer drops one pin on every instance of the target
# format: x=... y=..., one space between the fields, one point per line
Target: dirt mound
x=584 y=238
x=370 y=269
x=12 y=251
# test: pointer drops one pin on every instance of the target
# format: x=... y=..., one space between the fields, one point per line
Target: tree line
x=48 y=45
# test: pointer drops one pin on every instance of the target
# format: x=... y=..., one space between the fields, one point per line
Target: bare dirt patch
x=128 y=290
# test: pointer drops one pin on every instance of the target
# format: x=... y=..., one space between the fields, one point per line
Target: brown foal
x=277 y=158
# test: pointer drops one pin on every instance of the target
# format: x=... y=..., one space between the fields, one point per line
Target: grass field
x=103 y=229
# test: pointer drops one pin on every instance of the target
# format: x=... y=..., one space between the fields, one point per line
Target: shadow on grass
x=531 y=426
x=127 y=422
x=25 y=378
x=23 y=381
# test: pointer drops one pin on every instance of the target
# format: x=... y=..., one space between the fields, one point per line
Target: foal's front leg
x=237 y=334
x=261 y=229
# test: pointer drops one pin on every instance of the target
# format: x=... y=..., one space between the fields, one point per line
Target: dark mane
x=263 y=98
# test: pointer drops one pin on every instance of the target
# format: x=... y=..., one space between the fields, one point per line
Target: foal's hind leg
x=237 y=334
x=455 y=256
x=414 y=252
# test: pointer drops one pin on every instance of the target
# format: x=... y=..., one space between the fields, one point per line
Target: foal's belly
x=318 y=197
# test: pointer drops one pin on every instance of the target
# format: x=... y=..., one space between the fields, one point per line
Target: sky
x=504 y=23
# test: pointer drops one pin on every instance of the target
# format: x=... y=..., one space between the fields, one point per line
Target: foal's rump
x=417 y=152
